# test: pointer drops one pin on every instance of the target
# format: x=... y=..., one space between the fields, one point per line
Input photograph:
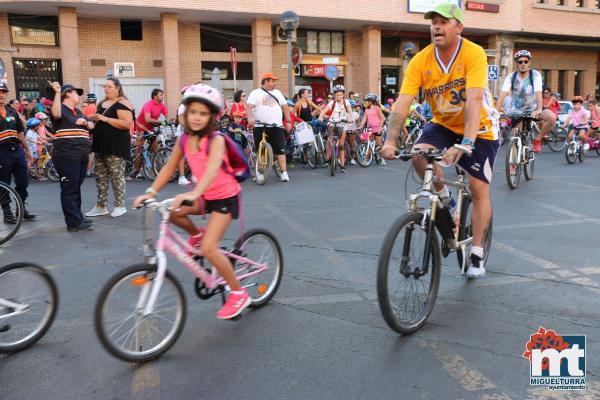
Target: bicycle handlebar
x=265 y=125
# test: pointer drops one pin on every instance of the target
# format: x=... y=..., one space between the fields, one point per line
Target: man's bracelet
x=151 y=190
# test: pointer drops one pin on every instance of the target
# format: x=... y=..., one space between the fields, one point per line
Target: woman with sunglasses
x=238 y=106
x=550 y=102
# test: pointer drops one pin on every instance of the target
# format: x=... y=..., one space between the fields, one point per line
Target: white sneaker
x=476 y=269
x=285 y=177
x=352 y=162
x=97 y=212
x=383 y=162
x=183 y=180
x=118 y=211
x=586 y=146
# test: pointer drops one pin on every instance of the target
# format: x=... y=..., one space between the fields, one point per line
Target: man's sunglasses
x=520 y=62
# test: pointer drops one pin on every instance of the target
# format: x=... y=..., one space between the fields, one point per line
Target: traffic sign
x=296 y=56
x=492 y=72
x=331 y=72
x=233 y=54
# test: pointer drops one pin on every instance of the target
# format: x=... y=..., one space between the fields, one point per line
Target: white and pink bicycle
x=141 y=310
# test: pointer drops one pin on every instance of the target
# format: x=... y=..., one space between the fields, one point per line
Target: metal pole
x=290 y=67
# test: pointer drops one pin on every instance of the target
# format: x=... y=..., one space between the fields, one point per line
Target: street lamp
x=289 y=21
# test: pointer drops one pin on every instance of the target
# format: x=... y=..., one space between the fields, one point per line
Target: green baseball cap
x=446 y=10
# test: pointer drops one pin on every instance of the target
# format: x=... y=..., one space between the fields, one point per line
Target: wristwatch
x=469 y=142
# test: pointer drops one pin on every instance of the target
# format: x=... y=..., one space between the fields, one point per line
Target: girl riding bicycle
x=217 y=191
x=373 y=119
x=579 y=121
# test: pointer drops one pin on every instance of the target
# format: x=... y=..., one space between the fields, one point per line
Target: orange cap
x=269 y=75
x=238 y=114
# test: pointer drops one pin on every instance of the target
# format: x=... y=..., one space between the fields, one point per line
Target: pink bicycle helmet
x=41 y=116
x=319 y=100
x=204 y=94
x=184 y=88
x=390 y=101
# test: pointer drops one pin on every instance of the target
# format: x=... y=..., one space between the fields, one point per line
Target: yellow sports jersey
x=445 y=87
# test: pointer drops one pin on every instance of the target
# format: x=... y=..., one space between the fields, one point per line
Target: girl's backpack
x=237 y=158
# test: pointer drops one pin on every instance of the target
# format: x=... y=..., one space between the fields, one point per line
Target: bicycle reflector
x=262 y=289
x=140 y=280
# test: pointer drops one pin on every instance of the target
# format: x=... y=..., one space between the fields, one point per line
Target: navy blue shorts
x=480 y=165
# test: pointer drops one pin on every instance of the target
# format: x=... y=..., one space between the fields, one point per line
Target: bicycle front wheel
x=364 y=155
x=33 y=299
x=513 y=164
x=407 y=292
x=160 y=159
x=261 y=247
x=310 y=155
x=51 y=172
x=12 y=212
x=571 y=153
x=264 y=162
x=557 y=140
x=119 y=318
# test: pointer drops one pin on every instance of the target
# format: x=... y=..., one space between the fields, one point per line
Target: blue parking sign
x=492 y=72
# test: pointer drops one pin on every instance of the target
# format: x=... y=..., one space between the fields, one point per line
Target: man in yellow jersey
x=453 y=74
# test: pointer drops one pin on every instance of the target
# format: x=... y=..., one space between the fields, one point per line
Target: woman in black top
x=111 y=144
x=304 y=107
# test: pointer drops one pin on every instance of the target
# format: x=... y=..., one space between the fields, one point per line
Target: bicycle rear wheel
x=32 y=289
x=120 y=324
x=513 y=164
x=333 y=157
x=530 y=164
x=51 y=172
x=557 y=140
x=12 y=212
x=160 y=159
x=581 y=153
x=310 y=155
x=406 y=294
x=147 y=168
x=261 y=247
x=466 y=231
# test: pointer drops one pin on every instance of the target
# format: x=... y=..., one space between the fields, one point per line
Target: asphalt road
x=322 y=336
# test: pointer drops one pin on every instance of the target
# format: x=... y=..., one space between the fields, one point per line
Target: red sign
x=485 y=7
x=319 y=70
x=233 y=54
x=296 y=56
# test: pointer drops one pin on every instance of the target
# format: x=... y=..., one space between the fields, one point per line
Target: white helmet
x=205 y=94
x=338 y=88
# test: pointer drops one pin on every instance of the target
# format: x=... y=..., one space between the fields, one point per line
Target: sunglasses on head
x=523 y=62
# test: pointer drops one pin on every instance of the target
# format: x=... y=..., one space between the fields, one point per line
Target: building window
x=244 y=70
x=540 y=1
x=578 y=83
x=560 y=2
x=562 y=82
x=545 y=77
x=320 y=42
x=221 y=38
x=390 y=46
x=33 y=30
x=131 y=29
x=579 y=3
x=598 y=4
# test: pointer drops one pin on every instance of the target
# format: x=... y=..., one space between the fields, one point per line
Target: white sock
x=445 y=192
x=478 y=251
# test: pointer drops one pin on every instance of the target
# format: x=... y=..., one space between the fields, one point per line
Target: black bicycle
x=409 y=266
x=12 y=212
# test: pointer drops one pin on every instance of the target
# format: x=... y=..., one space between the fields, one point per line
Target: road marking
x=356 y=237
x=568 y=182
x=540 y=262
x=145 y=384
x=569 y=213
x=587 y=270
x=323 y=299
x=494 y=396
x=569 y=221
x=467 y=376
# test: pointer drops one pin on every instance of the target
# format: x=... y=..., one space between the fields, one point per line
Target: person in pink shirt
x=578 y=118
x=217 y=191
x=152 y=110
x=594 y=108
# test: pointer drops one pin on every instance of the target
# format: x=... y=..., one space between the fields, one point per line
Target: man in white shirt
x=266 y=105
x=525 y=88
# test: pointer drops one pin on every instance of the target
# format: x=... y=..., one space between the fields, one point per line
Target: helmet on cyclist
x=352 y=103
x=577 y=99
x=522 y=53
x=319 y=100
x=91 y=98
x=204 y=94
x=290 y=103
x=33 y=122
x=371 y=96
x=338 y=88
x=184 y=88
x=41 y=116
x=390 y=101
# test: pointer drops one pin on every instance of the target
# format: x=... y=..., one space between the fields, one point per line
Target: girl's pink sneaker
x=235 y=304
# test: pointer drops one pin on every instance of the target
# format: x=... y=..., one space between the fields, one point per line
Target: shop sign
x=485 y=7
x=423 y=6
x=318 y=70
x=390 y=80
x=124 y=70
x=331 y=60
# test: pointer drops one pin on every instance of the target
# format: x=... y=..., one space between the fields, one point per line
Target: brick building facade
x=366 y=46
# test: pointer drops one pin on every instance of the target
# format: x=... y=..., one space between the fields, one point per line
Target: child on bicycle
x=578 y=118
x=594 y=108
x=373 y=119
x=236 y=129
x=217 y=191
